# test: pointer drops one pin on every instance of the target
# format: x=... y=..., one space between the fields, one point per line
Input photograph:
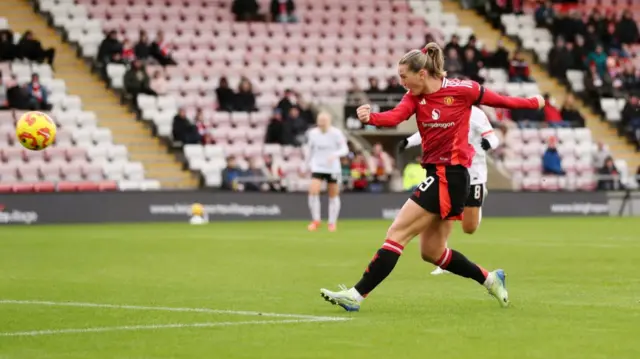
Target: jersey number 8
x=477 y=192
x=426 y=184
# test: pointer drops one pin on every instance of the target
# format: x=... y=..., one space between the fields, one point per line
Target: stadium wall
x=174 y=206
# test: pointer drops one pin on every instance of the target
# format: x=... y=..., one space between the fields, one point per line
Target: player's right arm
x=391 y=118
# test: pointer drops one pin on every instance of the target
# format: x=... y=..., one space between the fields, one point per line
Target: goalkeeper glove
x=402 y=145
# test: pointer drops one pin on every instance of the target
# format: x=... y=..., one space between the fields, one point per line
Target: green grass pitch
x=573 y=283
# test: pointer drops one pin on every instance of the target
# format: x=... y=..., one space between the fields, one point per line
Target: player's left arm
x=479 y=95
x=482 y=126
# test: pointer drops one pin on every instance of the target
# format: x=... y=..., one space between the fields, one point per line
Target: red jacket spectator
x=359 y=173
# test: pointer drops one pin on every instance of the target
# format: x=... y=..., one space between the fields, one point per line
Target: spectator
x=545 y=14
x=18 y=96
x=128 y=53
x=638 y=176
x=283 y=11
x=225 y=95
x=455 y=45
x=307 y=113
x=246 y=10
x=374 y=91
x=136 y=80
x=579 y=54
x=201 y=125
x=519 y=69
x=345 y=168
x=245 y=100
x=570 y=112
x=394 y=87
x=629 y=79
x=275 y=174
x=31 y=48
x=4 y=98
x=381 y=164
x=37 y=94
x=359 y=173
x=591 y=39
x=500 y=58
x=631 y=118
x=183 y=130
x=551 y=161
x=230 y=176
x=453 y=65
x=601 y=155
x=255 y=178
x=109 y=47
x=275 y=129
x=609 y=176
x=355 y=95
x=294 y=128
x=627 y=29
x=159 y=83
x=598 y=58
x=552 y=115
x=558 y=59
x=472 y=65
x=472 y=44
x=595 y=84
x=161 y=50
x=142 y=49
x=8 y=50
x=412 y=175
x=287 y=101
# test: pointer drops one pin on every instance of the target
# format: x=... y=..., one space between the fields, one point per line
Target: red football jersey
x=443 y=118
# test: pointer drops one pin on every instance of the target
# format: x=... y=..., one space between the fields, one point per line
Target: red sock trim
x=444 y=259
x=393 y=246
x=485 y=273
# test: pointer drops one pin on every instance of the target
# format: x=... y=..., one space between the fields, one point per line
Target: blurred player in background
x=198 y=214
x=326 y=144
x=442 y=107
x=482 y=138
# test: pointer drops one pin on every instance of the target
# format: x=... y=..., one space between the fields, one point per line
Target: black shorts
x=327 y=177
x=476 y=195
x=444 y=191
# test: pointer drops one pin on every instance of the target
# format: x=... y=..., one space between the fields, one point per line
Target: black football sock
x=380 y=267
x=456 y=263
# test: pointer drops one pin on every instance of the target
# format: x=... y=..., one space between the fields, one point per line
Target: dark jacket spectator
x=18 y=96
x=609 y=176
x=579 y=54
x=8 y=50
x=472 y=44
x=225 y=95
x=109 y=47
x=551 y=161
x=570 y=113
x=255 y=178
x=38 y=94
x=161 y=50
x=452 y=64
x=630 y=81
x=283 y=11
x=142 y=49
x=631 y=118
x=519 y=69
x=287 y=101
x=294 y=126
x=183 y=130
x=627 y=29
x=230 y=175
x=500 y=58
x=544 y=15
x=454 y=44
x=471 y=66
x=394 y=87
x=245 y=99
x=136 y=80
x=275 y=129
x=31 y=48
x=246 y=10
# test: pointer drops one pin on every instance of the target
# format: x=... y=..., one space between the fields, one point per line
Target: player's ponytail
x=430 y=58
x=434 y=63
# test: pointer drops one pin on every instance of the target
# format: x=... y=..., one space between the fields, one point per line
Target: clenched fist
x=363 y=113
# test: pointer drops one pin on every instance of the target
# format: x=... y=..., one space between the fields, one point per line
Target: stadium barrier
x=174 y=206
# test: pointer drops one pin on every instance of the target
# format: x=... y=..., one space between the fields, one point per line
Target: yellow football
x=35 y=130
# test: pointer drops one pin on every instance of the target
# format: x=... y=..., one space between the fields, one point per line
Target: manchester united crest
x=448 y=100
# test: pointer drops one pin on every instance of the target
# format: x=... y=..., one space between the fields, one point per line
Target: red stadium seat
x=23 y=187
x=108 y=186
x=44 y=187
x=87 y=186
x=67 y=186
x=6 y=188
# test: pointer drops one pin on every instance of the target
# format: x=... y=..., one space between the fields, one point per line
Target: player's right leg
x=333 y=189
x=411 y=220
x=314 y=201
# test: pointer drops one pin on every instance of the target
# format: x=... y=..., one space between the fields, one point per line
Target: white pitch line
x=151 y=327
x=172 y=309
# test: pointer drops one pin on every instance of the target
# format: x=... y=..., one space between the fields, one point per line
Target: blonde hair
x=430 y=58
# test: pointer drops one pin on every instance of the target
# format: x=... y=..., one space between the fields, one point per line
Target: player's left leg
x=333 y=188
x=473 y=208
x=314 y=202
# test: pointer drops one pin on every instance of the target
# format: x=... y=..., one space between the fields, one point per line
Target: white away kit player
x=482 y=138
x=326 y=144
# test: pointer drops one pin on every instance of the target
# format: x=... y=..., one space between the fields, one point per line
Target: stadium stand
x=83 y=158
x=563 y=38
